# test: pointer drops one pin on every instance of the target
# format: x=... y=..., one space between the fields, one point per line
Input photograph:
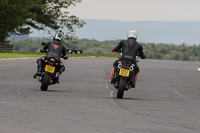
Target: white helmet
x=132 y=34
x=58 y=37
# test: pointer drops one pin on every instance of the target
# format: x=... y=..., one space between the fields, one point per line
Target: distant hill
x=149 y=31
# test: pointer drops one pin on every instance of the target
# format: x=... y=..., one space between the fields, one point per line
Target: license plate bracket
x=49 y=68
x=124 y=72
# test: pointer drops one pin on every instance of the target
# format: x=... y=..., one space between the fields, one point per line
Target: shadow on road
x=124 y=98
x=53 y=91
x=130 y=99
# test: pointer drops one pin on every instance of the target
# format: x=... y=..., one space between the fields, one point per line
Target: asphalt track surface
x=165 y=100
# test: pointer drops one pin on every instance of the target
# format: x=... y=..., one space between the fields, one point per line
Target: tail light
x=46 y=61
x=125 y=64
x=57 y=64
x=52 y=59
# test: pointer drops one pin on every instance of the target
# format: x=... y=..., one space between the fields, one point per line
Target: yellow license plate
x=49 y=68
x=124 y=72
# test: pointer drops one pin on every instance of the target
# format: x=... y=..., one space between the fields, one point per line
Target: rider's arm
x=45 y=46
x=141 y=53
x=64 y=53
x=119 y=46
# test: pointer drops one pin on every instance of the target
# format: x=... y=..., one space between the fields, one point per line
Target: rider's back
x=55 y=49
x=130 y=48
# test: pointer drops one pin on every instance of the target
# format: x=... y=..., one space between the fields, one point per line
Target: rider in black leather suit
x=55 y=49
x=130 y=49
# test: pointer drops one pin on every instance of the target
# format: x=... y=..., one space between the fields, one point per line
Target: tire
x=45 y=81
x=121 y=88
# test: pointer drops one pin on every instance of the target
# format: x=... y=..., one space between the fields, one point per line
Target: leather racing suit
x=55 y=49
x=130 y=49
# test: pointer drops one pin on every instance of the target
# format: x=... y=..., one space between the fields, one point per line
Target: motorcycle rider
x=55 y=49
x=130 y=49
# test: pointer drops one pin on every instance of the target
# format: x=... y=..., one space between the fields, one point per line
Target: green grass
x=21 y=55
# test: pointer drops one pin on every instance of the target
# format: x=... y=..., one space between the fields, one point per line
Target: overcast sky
x=138 y=10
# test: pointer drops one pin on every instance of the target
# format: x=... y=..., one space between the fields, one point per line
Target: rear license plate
x=49 y=68
x=124 y=72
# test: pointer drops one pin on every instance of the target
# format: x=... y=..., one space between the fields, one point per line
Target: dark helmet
x=58 y=37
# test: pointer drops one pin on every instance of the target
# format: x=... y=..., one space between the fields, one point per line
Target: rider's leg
x=62 y=68
x=135 y=77
x=113 y=74
x=60 y=71
x=39 y=67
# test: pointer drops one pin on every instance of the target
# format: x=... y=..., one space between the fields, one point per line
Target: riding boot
x=60 y=71
x=39 y=68
x=57 y=80
x=133 y=81
x=62 y=68
x=38 y=73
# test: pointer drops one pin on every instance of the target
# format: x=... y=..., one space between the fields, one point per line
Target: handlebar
x=121 y=52
x=66 y=57
x=43 y=43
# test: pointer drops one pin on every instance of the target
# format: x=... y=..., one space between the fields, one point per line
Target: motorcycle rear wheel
x=45 y=81
x=121 y=88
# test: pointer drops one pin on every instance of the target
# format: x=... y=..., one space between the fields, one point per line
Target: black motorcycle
x=124 y=77
x=49 y=73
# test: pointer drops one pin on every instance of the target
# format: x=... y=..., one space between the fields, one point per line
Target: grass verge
x=22 y=55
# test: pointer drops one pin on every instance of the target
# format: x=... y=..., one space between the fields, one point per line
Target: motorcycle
x=124 y=77
x=49 y=73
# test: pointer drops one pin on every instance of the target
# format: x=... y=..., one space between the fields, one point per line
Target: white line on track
x=112 y=91
x=179 y=93
x=198 y=69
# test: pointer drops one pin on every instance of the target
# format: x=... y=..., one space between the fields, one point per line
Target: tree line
x=154 y=51
x=17 y=17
